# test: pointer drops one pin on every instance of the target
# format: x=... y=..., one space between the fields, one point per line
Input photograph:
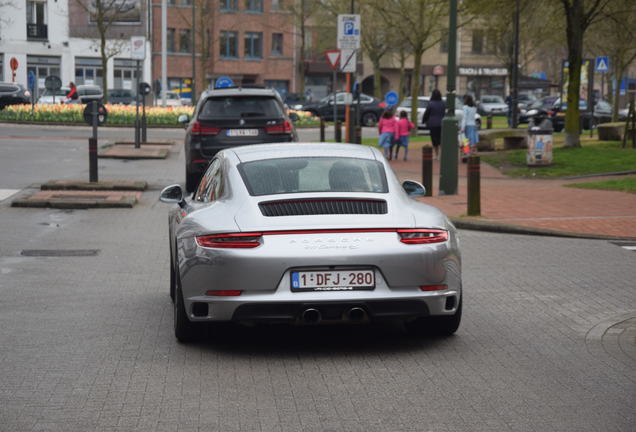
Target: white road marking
x=629 y=247
x=6 y=193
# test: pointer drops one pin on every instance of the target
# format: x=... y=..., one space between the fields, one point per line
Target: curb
x=98 y=186
x=518 y=229
x=125 y=202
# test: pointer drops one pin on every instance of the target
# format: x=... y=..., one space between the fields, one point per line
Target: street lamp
x=448 y=164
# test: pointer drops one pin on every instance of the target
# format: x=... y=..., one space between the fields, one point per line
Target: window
x=36 y=20
x=276 y=4
x=277 y=43
x=229 y=44
x=313 y=174
x=185 y=41
x=443 y=42
x=88 y=70
x=478 y=41
x=253 y=5
x=124 y=73
x=492 y=42
x=229 y=5
x=186 y=2
x=43 y=66
x=170 y=43
x=253 y=45
x=210 y=186
x=234 y=107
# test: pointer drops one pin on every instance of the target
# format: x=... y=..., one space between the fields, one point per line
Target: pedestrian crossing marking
x=6 y=193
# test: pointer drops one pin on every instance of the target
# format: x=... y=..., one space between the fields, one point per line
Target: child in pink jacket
x=388 y=129
x=404 y=130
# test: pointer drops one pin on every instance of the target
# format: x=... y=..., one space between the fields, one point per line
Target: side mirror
x=183 y=118
x=414 y=189
x=172 y=194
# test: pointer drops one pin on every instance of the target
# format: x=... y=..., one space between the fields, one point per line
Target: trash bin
x=539 y=140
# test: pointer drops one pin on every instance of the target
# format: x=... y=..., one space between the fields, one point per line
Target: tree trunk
x=300 y=84
x=574 y=30
x=415 y=84
x=377 y=78
x=402 y=74
x=105 y=68
x=617 y=94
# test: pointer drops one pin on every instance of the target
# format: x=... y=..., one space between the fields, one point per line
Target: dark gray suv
x=231 y=117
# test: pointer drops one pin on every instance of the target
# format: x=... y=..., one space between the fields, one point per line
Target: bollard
x=144 y=125
x=322 y=129
x=358 y=135
x=473 y=180
x=427 y=169
x=489 y=122
x=338 y=131
x=92 y=160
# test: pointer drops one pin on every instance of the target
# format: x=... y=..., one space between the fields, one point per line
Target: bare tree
x=578 y=19
x=104 y=13
x=5 y=16
x=614 y=35
x=302 y=11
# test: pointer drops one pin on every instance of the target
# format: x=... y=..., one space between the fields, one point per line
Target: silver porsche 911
x=308 y=234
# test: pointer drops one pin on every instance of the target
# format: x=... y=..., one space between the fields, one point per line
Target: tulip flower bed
x=118 y=115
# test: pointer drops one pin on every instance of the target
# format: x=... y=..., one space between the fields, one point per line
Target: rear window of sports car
x=241 y=107
x=313 y=174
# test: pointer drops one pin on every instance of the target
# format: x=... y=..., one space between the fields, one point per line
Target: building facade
x=60 y=38
x=250 y=41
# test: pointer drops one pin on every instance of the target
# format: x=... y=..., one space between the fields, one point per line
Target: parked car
x=231 y=117
x=53 y=97
x=543 y=104
x=121 y=96
x=422 y=103
x=524 y=100
x=310 y=234
x=13 y=94
x=492 y=105
x=371 y=109
x=602 y=114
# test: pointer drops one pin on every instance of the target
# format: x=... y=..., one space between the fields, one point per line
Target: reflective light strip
x=433 y=287
x=223 y=293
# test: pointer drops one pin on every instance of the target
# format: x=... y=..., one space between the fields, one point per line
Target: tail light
x=223 y=293
x=283 y=128
x=551 y=113
x=433 y=287
x=422 y=236
x=235 y=240
x=198 y=129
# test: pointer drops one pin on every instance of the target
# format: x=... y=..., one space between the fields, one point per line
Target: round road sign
x=144 y=88
x=391 y=98
x=223 y=82
x=13 y=63
x=53 y=83
x=102 y=114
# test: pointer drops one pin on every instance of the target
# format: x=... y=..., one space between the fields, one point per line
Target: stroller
x=464 y=146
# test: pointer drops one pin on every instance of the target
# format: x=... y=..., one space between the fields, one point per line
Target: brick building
x=251 y=41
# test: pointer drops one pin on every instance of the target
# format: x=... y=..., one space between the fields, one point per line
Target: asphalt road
x=86 y=342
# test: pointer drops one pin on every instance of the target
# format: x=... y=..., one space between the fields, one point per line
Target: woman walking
x=404 y=130
x=469 y=125
x=388 y=129
x=433 y=116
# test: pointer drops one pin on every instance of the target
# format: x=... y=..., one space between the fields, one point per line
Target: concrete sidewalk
x=535 y=204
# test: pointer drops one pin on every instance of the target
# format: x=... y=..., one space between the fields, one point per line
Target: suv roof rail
x=246 y=86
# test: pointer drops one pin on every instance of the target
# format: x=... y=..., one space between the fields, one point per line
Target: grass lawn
x=625 y=184
x=592 y=158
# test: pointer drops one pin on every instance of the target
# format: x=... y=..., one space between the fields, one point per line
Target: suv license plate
x=333 y=280
x=242 y=132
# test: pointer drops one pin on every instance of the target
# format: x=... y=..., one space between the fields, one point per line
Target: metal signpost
x=348 y=39
x=32 y=81
x=95 y=114
x=137 y=53
x=333 y=58
x=144 y=90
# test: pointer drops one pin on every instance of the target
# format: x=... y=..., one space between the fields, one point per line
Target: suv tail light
x=234 y=240
x=284 y=128
x=198 y=129
x=422 y=236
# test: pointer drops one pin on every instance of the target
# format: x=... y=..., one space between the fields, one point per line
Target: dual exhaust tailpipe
x=313 y=316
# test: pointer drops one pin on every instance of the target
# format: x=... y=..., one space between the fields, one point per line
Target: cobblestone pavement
x=547 y=342
x=87 y=342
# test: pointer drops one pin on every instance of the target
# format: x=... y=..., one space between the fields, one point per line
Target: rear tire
x=445 y=325
x=369 y=119
x=184 y=330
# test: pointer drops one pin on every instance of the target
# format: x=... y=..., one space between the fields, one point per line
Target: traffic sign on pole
x=223 y=82
x=138 y=47
x=391 y=98
x=333 y=58
x=349 y=31
x=349 y=60
x=602 y=64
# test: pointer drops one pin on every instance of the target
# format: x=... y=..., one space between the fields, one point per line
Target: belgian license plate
x=242 y=132
x=333 y=280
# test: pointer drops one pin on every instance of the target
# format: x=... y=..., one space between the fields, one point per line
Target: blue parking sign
x=391 y=98
x=31 y=80
x=223 y=82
